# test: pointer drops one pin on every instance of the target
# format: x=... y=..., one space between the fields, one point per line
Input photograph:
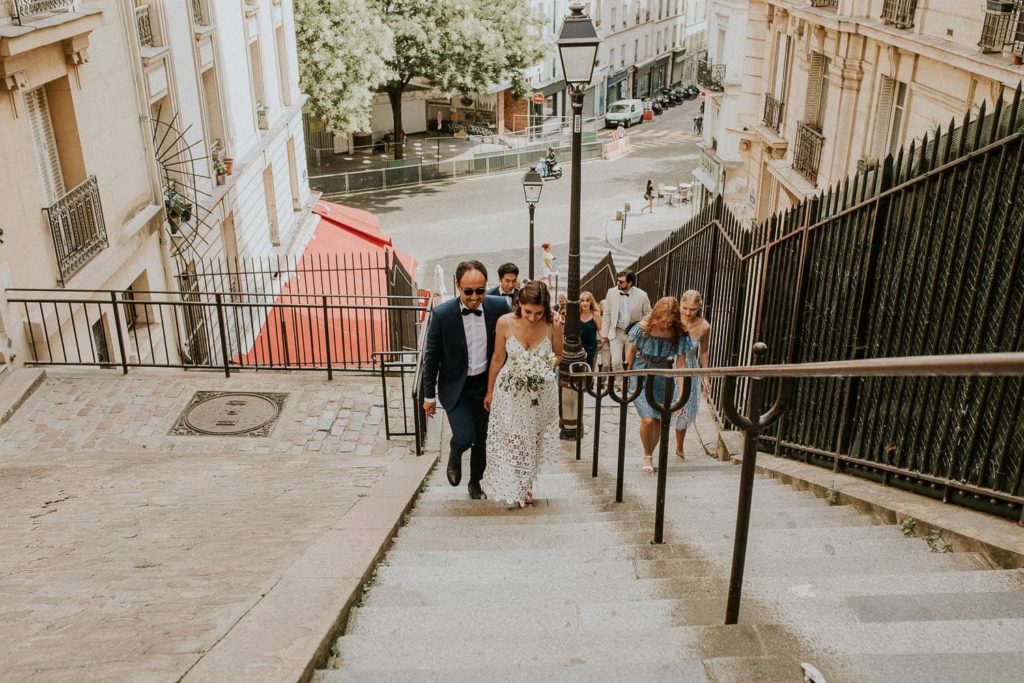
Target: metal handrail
x=753 y=422
x=419 y=417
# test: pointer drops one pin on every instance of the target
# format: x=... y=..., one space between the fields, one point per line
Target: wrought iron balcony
x=26 y=9
x=711 y=76
x=144 y=25
x=899 y=13
x=807 y=152
x=824 y=3
x=772 y=112
x=77 y=227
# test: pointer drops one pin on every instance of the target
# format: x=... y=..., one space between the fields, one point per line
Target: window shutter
x=47 y=157
x=883 y=115
x=814 y=77
x=781 y=68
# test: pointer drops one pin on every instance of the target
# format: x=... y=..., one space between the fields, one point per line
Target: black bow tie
x=474 y=311
x=623 y=293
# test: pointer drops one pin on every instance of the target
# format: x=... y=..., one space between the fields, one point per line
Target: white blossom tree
x=457 y=44
x=344 y=51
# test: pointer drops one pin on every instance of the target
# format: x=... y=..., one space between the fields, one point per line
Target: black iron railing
x=773 y=108
x=77 y=227
x=144 y=26
x=711 y=76
x=211 y=331
x=865 y=270
x=824 y=3
x=899 y=13
x=807 y=151
x=26 y=9
x=753 y=419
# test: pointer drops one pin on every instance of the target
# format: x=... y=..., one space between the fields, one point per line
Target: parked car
x=626 y=112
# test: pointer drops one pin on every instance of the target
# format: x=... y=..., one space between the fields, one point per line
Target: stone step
x=484 y=559
x=801 y=569
x=686 y=671
x=556 y=617
x=665 y=646
x=475 y=591
x=488 y=573
x=929 y=668
x=562 y=536
x=935 y=580
x=486 y=508
x=518 y=520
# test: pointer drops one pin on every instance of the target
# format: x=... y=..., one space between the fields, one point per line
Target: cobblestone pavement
x=129 y=552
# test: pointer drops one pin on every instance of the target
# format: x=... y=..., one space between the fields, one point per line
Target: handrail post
x=752 y=425
x=223 y=333
x=120 y=337
x=665 y=408
x=327 y=340
x=627 y=396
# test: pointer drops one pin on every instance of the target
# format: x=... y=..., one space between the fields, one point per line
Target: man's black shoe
x=454 y=469
x=475 y=492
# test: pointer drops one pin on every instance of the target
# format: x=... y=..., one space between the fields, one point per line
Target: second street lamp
x=577 y=48
x=533 y=183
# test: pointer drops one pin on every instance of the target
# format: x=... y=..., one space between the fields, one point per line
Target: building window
x=817 y=91
x=622 y=55
x=282 y=67
x=214 y=114
x=293 y=175
x=45 y=143
x=256 y=72
x=271 y=201
x=892 y=100
x=613 y=22
x=611 y=56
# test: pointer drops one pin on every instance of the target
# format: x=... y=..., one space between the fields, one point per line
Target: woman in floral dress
x=698 y=332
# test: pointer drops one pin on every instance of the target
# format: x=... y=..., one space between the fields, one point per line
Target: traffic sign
x=538 y=98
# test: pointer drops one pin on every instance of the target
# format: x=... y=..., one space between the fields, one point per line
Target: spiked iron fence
x=921 y=255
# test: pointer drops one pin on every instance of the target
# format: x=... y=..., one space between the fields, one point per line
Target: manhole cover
x=229 y=413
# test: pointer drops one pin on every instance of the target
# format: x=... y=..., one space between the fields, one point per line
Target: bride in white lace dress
x=520 y=432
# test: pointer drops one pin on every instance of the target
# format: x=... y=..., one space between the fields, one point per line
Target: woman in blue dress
x=656 y=342
x=698 y=333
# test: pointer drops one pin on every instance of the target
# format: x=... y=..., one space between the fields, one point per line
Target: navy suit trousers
x=468 y=420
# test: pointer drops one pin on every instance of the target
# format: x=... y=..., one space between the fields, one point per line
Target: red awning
x=349 y=260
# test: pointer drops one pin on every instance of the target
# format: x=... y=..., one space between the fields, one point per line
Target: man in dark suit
x=460 y=341
x=508 y=283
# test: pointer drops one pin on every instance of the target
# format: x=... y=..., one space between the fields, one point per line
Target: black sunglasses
x=479 y=291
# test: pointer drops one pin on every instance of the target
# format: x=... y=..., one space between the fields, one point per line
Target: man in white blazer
x=624 y=305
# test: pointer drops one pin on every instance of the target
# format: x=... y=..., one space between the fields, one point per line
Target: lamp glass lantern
x=533 y=183
x=577 y=47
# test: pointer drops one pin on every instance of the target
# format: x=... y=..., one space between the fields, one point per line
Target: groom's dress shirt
x=476 y=341
x=623 y=321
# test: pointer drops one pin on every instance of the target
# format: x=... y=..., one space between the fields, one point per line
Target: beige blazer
x=639 y=306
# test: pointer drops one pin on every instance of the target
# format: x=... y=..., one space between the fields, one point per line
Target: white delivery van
x=626 y=112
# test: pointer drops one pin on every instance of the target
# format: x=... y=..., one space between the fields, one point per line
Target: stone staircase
x=573 y=590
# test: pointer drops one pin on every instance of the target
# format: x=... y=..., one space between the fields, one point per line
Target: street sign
x=538 y=98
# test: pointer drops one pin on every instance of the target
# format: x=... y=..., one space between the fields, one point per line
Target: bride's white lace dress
x=519 y=434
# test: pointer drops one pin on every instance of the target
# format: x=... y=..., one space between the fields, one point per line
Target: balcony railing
x=77 y=227
x=807 y=153
x=899 y=13
x=26 y=9
x=711 y=76
x=824 y=3
x=772 y=112
x=144 y=25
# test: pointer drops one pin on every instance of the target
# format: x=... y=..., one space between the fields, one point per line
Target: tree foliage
x=344 y=54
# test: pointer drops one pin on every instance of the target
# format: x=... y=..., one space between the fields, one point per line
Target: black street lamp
x=533 y=183
x=577 y=48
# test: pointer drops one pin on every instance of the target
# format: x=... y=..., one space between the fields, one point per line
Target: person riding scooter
x=550 y=167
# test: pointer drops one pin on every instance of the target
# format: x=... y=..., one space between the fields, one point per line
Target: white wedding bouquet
x=528 y=372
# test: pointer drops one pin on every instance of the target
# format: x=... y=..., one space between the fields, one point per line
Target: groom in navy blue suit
x=460 y=341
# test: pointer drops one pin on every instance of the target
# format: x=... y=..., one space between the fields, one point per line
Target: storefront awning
x=709 y=182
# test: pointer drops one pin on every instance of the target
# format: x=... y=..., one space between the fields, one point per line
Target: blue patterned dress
x=688 y=414
x=654 y=352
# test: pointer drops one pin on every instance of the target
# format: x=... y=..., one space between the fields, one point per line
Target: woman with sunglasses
x=523 y=424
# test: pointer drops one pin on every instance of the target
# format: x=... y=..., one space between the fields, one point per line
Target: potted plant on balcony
x=179 y=209
x=261 y=115
x=221 y=168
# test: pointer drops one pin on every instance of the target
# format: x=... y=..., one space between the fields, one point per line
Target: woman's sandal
x=680 y=455
x=648 y=467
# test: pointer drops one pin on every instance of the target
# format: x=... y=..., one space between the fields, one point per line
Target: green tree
x=457 y=44
x=344 y=50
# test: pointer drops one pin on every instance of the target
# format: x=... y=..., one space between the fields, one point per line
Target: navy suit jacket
x=446 y=358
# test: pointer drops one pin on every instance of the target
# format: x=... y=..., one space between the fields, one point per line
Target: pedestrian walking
x=649 y=196
x=548 y=262
x=698 y=125
x=691 y=308
x=590 y=327
x=625 y=306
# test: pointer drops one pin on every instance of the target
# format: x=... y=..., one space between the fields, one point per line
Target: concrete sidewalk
x=134 y=554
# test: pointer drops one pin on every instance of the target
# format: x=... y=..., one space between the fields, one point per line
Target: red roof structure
x=352 y=266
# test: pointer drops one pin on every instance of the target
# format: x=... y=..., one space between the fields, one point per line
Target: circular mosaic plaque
x=231 y=414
